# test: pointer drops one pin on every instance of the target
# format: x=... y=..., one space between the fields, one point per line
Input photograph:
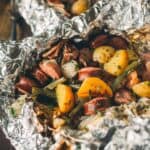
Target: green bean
x=52 y=85
x=78 y=107
x=39 y=91
x=120 y=78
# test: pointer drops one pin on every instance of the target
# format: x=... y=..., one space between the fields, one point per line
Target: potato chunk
x=102 y=54
x=65 y=98
x=80 y=6
x=117 y=63
x=142 y=89
x=93 y=86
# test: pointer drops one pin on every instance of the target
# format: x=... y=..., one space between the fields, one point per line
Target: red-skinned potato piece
x=118 y=42
x=40 y=76
x=50 y=68
x=96 y=104
x=88 y=72
x=24 y=85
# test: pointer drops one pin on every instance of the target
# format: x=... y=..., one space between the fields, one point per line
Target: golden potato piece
x=142 y=89
x=102 y=54
x=79 y=7
x=65 y=98
x=94 y=86
x=117 y=63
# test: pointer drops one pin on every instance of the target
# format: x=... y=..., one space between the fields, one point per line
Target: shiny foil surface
x=47 y=24
x=123 y=15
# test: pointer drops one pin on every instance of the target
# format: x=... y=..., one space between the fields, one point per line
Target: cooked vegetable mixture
x=73 y=7
x=73 y=79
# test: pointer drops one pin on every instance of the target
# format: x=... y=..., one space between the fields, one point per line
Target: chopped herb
x=119 y=67
x=76 y=66
x=148 y=83
x=12 y=111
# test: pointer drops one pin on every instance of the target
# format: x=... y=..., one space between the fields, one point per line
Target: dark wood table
x=23 y=29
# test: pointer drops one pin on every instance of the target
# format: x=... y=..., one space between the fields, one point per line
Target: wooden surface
x=4 y=19
x=5 y=23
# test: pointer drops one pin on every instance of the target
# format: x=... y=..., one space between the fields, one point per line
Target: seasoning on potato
x=94 y=86
x=102 y=54
x=65 y=98
x=117 y=64
x=142 y=89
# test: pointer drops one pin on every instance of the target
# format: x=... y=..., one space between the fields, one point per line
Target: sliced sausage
x=40 y=76
x=99 y=103
x=25 y=85
x=88 y=72
x=132 y=79
x=118 y=43
x=99 y=41
x=54 y=51
x=50 y=68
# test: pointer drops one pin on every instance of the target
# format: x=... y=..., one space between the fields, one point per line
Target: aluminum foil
x=14 y=59
x=120 y=16
x=48 y=24
x=41 y=18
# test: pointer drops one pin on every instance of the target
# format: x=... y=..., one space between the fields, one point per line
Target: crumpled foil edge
x=104 y=12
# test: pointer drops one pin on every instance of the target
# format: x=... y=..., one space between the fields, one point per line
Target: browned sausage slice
x=40 y=76
x=118 y=43
x=88 y=72
x=132 y=79
x=52 y=69
x=98 y=103
x=25 y=85
x=99 y=41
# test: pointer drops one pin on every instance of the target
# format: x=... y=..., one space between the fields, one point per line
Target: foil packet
x=122 y=16
x=15 y=57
